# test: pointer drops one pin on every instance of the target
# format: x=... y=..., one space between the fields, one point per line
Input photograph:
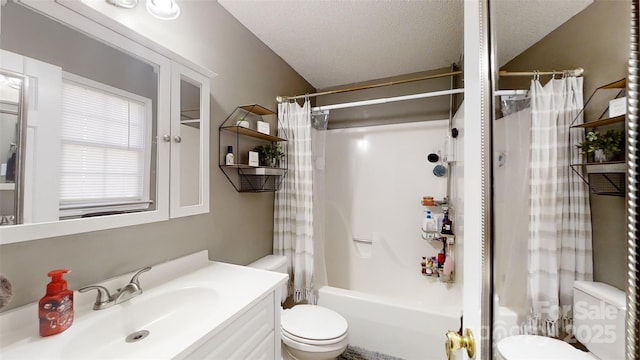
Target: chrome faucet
x=105 y=300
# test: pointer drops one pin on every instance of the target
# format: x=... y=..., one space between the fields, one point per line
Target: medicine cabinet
x=189 y=140
x=603 y=115
x=157 y=151
x=244 y=131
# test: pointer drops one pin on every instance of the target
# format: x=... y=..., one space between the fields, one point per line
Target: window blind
x=103 y=147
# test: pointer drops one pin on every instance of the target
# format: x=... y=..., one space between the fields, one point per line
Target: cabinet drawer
x=243 y=337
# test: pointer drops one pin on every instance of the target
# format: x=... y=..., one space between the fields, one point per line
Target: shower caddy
x=605 y=177
x=447 y=241
x=241 y=129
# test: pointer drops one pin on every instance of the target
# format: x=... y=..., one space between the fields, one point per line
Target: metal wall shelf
x=252 y=133
x=242 y=125
x=603 y=178
x=601 y=122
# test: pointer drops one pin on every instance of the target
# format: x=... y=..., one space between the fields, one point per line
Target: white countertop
x=236 y=288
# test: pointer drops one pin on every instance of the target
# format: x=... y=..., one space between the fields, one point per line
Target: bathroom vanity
x=190 y=308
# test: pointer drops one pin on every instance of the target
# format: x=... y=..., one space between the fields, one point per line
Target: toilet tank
x=599 y=312
x=277 y=263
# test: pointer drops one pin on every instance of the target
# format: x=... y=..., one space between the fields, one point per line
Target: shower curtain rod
x=388 y=100
x=574 y=72
x=409 y=97
x=280 y=99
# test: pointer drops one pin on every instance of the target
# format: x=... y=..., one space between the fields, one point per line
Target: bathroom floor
x=357 y=353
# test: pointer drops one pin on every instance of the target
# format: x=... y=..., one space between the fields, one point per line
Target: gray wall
x=237 y=230
x=597 y=39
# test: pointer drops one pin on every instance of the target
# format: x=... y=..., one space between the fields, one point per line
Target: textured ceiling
x=331 y=42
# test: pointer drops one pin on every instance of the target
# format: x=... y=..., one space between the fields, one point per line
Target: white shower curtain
x=560 y=224
x=293 y=208
x=512 y=137
x=319 y=122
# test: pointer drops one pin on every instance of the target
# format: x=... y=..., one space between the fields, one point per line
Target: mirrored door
x=189 y=142
x=12 y=87
x=553 y=235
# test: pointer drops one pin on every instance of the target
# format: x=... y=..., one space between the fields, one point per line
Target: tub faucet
x=105 y=300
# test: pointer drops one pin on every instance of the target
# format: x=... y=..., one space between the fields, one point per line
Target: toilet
x=309 y=332
x=598 y=323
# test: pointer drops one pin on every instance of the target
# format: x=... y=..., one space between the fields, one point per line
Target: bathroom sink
x=187 y=310
x=151 y=320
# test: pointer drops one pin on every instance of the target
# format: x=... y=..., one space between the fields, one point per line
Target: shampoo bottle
x=55 y=309
x=447 y=224
x=429 y=226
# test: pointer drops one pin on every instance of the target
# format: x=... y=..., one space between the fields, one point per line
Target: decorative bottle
x=228 y=159
x=447 y=224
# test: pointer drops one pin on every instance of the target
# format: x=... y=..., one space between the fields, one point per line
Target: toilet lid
x=300 y=340
x=530 y=347
x=313 y=322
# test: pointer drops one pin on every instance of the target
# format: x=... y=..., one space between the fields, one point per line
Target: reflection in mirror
x=190 y=142
x=90 y=125
x=558 y=245
x=11 y=137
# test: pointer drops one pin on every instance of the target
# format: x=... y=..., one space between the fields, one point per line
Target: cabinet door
x=189 y=142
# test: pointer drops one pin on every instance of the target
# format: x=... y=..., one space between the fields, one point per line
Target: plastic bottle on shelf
x=447 y=224
x=228 y=159
x=440 y=259
x=438 y=218
x=429 y=225
x=429 y=267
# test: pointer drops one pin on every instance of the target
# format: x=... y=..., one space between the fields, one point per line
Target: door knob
x=177 y=139
x=166 y=137
x=455 y=341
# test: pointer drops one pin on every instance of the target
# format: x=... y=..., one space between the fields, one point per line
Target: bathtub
x=373 y=253
x=392 y=326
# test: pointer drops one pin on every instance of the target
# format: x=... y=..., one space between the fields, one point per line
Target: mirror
x=550 y=234
x=190 y=185
x=91 y=119
x=189 y=142
x=11 y=130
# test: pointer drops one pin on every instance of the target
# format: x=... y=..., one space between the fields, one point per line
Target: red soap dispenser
x=55 y=309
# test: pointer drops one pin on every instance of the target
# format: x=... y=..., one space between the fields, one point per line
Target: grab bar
x=364 y=241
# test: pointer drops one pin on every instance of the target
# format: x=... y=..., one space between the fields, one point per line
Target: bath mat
x=358 y=353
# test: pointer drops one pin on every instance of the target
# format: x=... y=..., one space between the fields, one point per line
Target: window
x=105 y=141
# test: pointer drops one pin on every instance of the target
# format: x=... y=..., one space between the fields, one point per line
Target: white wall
x=376 y=178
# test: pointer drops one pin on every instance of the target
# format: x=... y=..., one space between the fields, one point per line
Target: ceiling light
x=127 y=4
x=163 y=9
